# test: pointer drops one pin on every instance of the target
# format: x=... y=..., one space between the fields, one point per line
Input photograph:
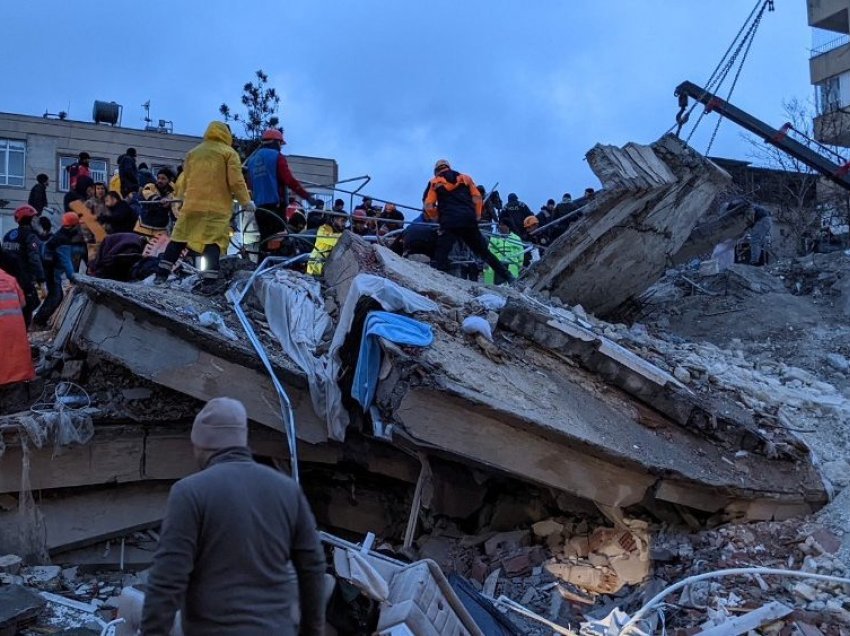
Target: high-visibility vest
x=16 y=362
x=509 y=250
x=326 y=239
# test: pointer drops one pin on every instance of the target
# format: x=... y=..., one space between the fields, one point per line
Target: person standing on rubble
x=22 y=246
x=16 y=361
x=509 y=249
x=760 y=235
x=327 y=236
x=452 y=199
x=212 y=178
x=269 y=177
x=515 y=212
x=63 y=253
x=230 y=538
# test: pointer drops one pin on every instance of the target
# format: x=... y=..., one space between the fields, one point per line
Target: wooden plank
x=764 y=615
x=89 y=220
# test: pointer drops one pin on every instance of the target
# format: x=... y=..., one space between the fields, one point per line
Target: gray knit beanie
x=222 y=423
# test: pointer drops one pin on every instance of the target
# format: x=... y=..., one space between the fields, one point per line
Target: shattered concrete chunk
x=653 y=198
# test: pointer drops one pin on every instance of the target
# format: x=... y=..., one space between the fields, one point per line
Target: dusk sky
x=509 y=92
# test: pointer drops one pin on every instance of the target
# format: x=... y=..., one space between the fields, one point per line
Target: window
x=12 y=162
x=829 y=95
x=99 y=171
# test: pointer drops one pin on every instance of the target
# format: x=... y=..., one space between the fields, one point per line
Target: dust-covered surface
x=784 y=333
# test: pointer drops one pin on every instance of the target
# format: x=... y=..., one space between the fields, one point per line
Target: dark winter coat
x=129 y=174
x=230 y=538
x=38 y=197
x=119 y=218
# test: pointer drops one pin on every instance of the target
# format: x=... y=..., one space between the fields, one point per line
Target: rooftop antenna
x=148 y=120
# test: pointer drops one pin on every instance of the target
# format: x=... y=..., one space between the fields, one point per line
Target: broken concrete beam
x=577 y=432
x=557 y=331
x=123 y=453
x=18 y=607
x=141 y=329
x=653 y=198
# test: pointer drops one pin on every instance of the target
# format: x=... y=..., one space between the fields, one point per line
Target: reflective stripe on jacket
x=16 y=362
x=453 y=199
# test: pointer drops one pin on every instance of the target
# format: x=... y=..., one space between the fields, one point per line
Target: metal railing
x=237 y=296
x=831 y=45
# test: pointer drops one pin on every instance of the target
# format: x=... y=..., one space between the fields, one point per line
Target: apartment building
x=829 y=68
x=33 y=145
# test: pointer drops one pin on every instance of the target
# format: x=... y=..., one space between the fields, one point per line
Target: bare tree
x=799 y=195
x=261 y=104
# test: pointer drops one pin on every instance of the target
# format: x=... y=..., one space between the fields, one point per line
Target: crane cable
x=743 y=39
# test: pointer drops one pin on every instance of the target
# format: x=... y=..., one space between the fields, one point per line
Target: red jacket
x=286 y=178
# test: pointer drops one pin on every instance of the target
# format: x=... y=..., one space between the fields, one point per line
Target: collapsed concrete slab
x=548 y=403
x=652 y=200
x=618 y=431
x=156 y=335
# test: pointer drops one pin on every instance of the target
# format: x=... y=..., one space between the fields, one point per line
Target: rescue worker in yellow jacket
x=326 y=238
x=212 y=178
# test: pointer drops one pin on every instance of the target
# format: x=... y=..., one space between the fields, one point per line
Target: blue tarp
x=393 y=327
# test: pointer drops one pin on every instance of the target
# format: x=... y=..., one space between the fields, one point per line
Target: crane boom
x=838 y=173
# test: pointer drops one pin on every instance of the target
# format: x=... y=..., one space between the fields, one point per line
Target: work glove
x=250 y=206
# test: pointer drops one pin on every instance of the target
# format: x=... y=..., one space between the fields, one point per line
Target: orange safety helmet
x=530 y=221
x=25 y=212
x=273 y=134
x=70 y=219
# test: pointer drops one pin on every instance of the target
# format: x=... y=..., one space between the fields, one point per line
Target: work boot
x=210 y=286
x=163 y=271
x=160 y=279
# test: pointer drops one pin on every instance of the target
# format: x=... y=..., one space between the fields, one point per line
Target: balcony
x=831 y=45
x=831 y=15
x=833 y=128
x=834 y=60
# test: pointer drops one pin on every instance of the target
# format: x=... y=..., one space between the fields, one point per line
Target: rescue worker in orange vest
x=16 y=362
x=453 y=200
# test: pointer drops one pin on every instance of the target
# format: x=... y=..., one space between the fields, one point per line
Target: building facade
x=829 y=68
x=31 y=145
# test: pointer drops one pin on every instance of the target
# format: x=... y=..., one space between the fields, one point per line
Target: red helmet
x=25 y=212
x=70 y=219
x=273 y=134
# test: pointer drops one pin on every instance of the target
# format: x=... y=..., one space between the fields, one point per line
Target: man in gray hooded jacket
x=231 y=537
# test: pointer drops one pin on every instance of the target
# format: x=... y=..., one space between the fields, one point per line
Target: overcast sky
x=514 y=92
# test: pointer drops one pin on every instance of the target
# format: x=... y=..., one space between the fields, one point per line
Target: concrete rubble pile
x=652 y=202
x=530 y=454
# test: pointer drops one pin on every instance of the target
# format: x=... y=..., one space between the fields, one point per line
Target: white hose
x=631 y=626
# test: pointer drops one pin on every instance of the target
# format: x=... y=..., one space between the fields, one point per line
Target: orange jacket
x=453 y=199
x=16 y=362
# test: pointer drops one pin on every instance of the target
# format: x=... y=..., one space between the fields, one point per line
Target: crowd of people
x=141 y=224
